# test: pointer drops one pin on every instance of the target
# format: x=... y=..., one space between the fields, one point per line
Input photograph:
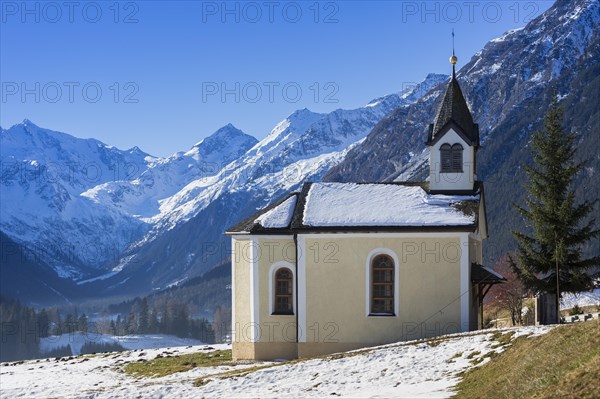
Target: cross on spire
x=453 y=59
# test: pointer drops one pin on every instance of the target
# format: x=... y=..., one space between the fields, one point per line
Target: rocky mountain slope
x=25 y=275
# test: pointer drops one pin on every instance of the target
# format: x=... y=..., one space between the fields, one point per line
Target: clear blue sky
x=162 y=67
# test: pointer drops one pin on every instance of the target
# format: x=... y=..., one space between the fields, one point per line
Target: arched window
x=284 y=291
x=452 y=158
x=382 y=285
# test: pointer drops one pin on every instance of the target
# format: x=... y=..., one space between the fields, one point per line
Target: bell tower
x=453 y=141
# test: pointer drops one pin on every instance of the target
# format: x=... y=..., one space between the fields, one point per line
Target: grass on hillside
x=564 y=363
x=233 y=373
x=162 y=366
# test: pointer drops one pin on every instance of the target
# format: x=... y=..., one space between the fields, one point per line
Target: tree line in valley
x=23 y=327
x=168 y=317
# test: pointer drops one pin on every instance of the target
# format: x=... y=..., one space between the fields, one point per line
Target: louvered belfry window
x=284 y=300
x=452 y=158
x=382 y=285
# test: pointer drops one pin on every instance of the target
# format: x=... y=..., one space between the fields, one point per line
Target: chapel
x=341 y=266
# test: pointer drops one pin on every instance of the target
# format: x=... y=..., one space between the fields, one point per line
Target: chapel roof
x=366 y=207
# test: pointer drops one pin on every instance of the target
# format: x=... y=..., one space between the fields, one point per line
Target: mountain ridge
x=165 y=193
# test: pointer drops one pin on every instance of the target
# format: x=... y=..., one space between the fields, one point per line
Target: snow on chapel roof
x=280 y=216
x=365 y=207
x=351 y=204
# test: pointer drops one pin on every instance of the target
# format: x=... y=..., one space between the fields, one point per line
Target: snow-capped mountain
x=144 y=196
x=79 y=203
x=43 y=174
x=187 y=235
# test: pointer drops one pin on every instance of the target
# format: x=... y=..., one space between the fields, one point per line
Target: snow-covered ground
x=569 y=300
x=403 y=370
x=131 y=342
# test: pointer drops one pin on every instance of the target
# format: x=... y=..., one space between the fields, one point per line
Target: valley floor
x=414 y=369
x=131 y=342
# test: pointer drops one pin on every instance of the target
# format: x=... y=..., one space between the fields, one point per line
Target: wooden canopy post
x=484 y=278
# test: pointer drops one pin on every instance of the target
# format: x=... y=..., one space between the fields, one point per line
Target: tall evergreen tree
x=143 y=317
x=43 y=321
x=132 y=326
x=70 y=324
x=82 y=323
x=559 y=226
x=113 y=327
x=153 y=324
x=56 y=322
x=119 y=326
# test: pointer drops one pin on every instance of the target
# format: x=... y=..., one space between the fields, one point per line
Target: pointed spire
x=454 y=108
x=453 y=59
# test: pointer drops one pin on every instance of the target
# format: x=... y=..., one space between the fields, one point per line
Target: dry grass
x=232 y=374
x=564 y=363
x=162 y=366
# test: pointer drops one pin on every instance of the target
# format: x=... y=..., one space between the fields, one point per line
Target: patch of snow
x=494 y=68
x=530 y=331
x=374 y=103
x=101 y=277
x=176 y=283
x=506 y=35
x=560 y=97
x=280 y=216
x=120 y=282
x=537 y=77
x=97 y=376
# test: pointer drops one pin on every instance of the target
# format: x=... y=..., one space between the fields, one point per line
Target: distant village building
x=339 y=266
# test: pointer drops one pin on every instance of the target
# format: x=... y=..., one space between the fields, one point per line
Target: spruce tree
x=143 y=317
x=132 y=325
x=559 y=226
x=82 y=323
